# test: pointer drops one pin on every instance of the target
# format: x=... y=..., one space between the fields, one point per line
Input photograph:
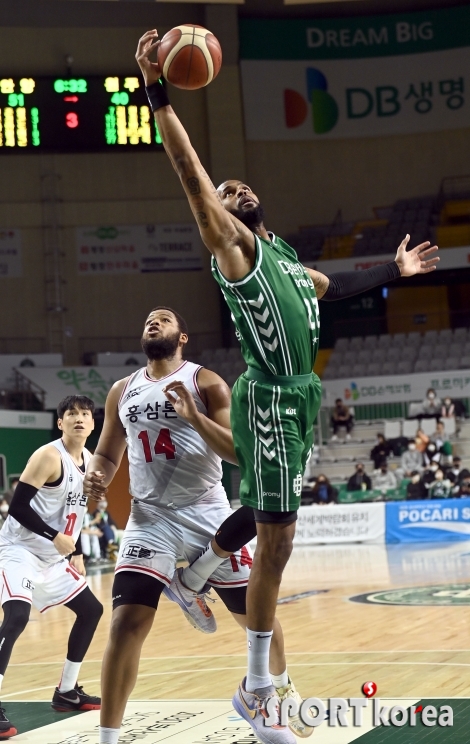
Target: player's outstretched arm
x=215 y=427
x=219 y=230
x=43 y=466
x=109 y=450
x=338 y=286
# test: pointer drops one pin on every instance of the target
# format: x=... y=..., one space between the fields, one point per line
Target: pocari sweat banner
x=431 y=520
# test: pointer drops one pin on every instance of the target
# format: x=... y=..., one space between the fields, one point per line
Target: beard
x=160 y=348
x=250 y=217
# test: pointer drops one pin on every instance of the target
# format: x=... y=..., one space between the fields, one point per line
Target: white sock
x=70 y=674
x=280 y=680
x=258 y=675
x=109 y=735
x=196 y=575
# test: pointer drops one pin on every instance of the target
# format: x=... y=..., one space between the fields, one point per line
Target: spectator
x=4 y=507
x=90 y=540
x=448 y=408
x=323 y=492
x=431 y=454
x=464 y=489
x=456 y=473
x=341 y=416
x=429 y=476
x=460 y=409
x=440 y=487
x=422 y=440
x=380 y=452
x=411 y=461
x=9 y=494
x=105 y=524
x=431 y=405
x=415 y=489
x=384 y=479
x=359 y=481
x=441 y=440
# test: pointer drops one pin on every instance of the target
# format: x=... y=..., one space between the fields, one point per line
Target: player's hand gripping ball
x=189 y=57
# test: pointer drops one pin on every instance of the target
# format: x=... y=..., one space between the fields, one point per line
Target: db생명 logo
x=324 y=108
x=352 y=392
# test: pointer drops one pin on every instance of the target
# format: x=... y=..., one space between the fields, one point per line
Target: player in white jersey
x=178 y=499
x=42 y=528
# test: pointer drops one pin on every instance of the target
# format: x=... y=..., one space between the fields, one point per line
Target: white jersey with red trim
x=61 y=506
x=169 y=463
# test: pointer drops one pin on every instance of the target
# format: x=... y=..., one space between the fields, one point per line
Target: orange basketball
x=189 y=57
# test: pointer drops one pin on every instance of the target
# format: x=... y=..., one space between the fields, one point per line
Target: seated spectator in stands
x=428 y=476
x=384 y=479
x=431 y=405
x=380 y=452
x=431 y=454
x=4 y=507
x=441 y=440
x=448 y=408
x=464 y=489
x=456 y=473
x=323 y=492
x=411 y=461
x=441 y=487
x=415 y=489
x=359 y=481
x=341 y=416
x=422 y=440
x=460 y=410
x=105 y=524
x=90 y=536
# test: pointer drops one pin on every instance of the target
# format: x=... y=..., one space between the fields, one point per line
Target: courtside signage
x=433 y=520
x=438 y=595
x=404 y=75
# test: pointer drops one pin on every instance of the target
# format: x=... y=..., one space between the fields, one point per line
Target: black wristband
x=349 y=283
x=157 y=96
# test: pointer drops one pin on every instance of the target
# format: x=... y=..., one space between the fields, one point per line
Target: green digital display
x=80 y=114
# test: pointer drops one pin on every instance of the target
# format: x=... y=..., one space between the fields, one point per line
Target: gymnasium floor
x=413 y=643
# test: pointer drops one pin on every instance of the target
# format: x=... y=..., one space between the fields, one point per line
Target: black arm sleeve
x=23 y=512
x=349 y=283
x=78 y=547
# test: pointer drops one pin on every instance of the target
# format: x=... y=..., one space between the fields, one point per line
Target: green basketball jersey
x=275 y=310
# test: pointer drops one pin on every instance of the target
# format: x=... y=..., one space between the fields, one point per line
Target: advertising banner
x=405 y=73
x=134 y=249
x=58 y=382
x=397 y=388
x=340 y=524
x=432 y=520
x=10 y=253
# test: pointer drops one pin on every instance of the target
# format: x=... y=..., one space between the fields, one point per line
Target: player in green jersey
x=274 y=304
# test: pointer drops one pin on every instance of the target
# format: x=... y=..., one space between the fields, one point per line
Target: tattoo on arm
x=202 y=219
x=193 y=185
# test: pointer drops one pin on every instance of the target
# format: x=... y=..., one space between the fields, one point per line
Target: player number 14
x=163 y=445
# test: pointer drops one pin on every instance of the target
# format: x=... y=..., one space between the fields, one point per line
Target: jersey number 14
x=163 y=445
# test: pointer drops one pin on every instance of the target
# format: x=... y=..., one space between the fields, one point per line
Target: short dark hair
x=338 y=400
x=182 y=325
x=75 y=401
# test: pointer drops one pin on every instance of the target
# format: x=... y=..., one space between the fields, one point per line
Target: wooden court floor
x=334 y=645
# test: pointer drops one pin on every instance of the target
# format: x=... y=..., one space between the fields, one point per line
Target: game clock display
x=79 y=114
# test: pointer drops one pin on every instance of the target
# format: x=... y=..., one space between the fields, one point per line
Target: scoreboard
x=80 y=114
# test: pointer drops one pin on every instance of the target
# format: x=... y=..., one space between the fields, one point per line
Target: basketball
x=189 y=57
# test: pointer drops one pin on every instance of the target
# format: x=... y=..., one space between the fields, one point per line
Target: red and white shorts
x=26 y=577
x=155 y=538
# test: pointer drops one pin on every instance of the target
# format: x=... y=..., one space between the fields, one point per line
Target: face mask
x=104 y=505
x=412 y=447
x=431 y=396
x=4 y=509
x=432 y=448
x=439 y=476
x=434 y=468
x=447 y=401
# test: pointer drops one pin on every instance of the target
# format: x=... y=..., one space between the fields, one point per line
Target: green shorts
x=272 y=427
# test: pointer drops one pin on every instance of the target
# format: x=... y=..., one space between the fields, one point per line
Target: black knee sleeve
x=88 y=611
x=234 y=599
x=15 y=619
x=237 y=530
x=132 y=587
